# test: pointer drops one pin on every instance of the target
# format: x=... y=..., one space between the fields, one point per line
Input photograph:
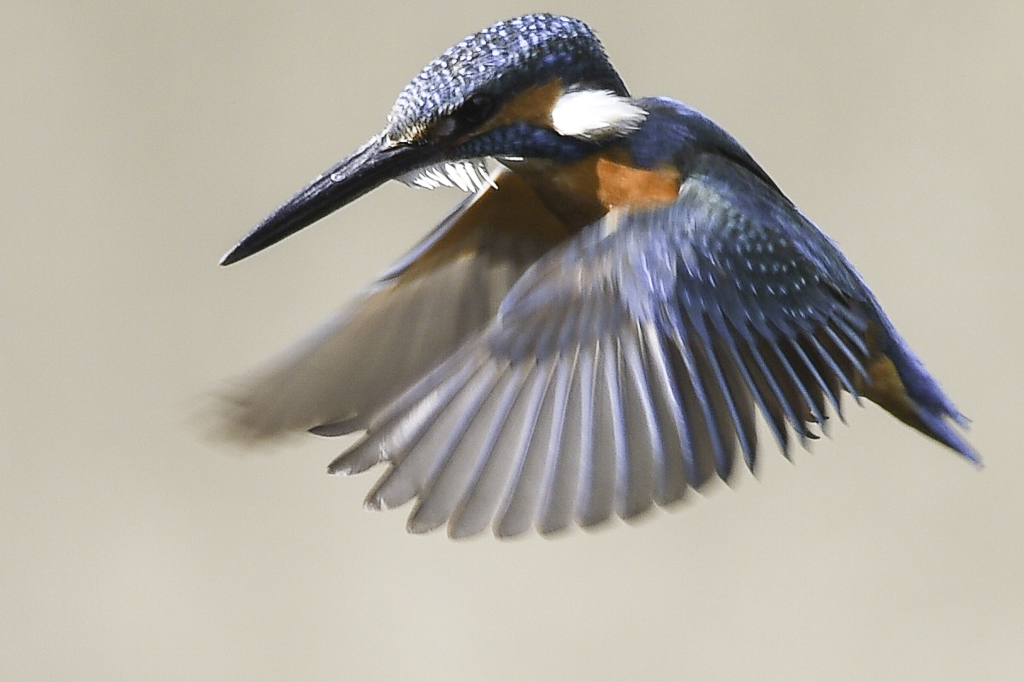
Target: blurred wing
x=405 y=324
x=625 y=367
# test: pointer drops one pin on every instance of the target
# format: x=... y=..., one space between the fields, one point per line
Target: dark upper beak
x=368 y=167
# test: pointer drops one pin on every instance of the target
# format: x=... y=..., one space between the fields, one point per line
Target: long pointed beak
x=367 y=168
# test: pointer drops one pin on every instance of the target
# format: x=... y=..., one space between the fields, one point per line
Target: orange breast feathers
x=621 y=184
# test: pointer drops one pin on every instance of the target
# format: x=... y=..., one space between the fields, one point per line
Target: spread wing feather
x=511 y=376
x=418 y=313
x=625 y=367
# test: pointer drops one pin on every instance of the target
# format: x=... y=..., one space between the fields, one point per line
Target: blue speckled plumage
x=595 y=330
x=502 y=59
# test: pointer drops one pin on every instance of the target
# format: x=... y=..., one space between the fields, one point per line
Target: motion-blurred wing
x=405 y=324
x=625 y=366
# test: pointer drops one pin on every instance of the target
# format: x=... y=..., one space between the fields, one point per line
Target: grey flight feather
x=624 y=367
x=393 y=333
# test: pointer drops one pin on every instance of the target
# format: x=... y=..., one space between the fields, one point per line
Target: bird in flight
x=595 y=328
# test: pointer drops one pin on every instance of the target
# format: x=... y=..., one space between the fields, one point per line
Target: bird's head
x=535 y=87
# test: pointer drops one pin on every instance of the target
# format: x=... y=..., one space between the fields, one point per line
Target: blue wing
x=627 y=364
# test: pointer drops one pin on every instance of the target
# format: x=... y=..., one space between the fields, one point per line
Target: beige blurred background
x=139 y=141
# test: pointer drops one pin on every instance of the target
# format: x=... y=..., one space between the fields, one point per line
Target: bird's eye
x=476 y=110
x=472 y=113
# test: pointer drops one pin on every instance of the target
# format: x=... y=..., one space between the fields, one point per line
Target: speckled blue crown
x=502 y=60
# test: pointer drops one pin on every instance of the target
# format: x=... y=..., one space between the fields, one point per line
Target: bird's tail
x=898 y=382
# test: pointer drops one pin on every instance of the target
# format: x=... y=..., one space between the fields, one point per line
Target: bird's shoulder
x=727 y=204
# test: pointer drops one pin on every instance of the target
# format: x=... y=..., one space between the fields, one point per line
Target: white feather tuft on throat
x=468 y=175
x=592 y=114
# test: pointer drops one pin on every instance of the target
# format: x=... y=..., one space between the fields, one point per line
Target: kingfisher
x=595 y=328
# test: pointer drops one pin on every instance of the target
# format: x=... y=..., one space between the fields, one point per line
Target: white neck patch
x=469 y=175
x=593 y=114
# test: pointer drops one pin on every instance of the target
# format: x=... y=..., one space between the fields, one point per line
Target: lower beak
x=368 y=167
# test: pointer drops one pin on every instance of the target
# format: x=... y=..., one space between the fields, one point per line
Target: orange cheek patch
x=531 y=106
